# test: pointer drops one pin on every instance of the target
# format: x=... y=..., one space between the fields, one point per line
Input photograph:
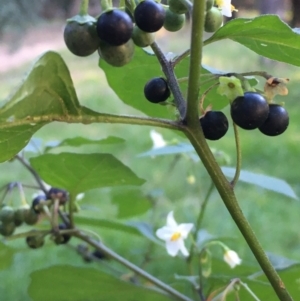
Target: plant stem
x=105 y=4
x=238 y=156
x=99 y=246
x=88 y=117
x=227 y=194
x=198 y=17
x=167 y=68
x=84 y=6
x=33 y=172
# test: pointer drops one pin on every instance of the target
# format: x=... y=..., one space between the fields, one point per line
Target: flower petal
x=173 y=247
x=184 y=229
x=171 y=221
x=182 y=248
x=232 y=258
x=157 y=139
x=165 y=233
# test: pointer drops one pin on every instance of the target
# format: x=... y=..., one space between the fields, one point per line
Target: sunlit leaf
x=47 y=91
x=266 y=35
x=69 y=283
x=81 y=172
x=129 y=81
x=267 y=182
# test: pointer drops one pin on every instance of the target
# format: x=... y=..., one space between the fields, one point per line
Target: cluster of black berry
x=252 y=111
x=116 y=31
x=11 y=218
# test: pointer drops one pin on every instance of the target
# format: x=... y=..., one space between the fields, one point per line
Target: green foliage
x=81 y=172
x=266 y=35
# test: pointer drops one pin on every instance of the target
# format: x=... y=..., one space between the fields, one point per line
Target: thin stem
x=238 y=156
x=33 y=172
x=198 y=16
x=180 y=57
x=84 y=6
x=227 y=194
x=172 y=81
x=71 y=211
x=99 y=246
x=87 y=118
x=200 y=218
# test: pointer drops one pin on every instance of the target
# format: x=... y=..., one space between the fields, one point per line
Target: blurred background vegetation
x=28 y=28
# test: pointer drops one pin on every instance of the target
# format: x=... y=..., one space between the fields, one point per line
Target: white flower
x=226 y=7
x=157 y=139
x=174 y=235
x=232 y=258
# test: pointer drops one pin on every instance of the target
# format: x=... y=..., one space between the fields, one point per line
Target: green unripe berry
x=19 y=215
x=7 y=214
x=7 y=229
x=30 y=217
x=209 y=4
x=116 y=56
x=35 y=241
x=173 y=22
x=177 y=7
x=142 y=38
x=213 y=20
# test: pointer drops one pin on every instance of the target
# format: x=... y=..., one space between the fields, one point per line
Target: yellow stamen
x=175 y=236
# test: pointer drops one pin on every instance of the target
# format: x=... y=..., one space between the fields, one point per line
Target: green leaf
x=130 y=202
x=68 y=283
x=79 y=141
x=47 y=91
x=267 y=182
x=135 y=228
x=81 y=172
x=128 y=82
x=6 y=256
x=179 y=148
x=266 y=35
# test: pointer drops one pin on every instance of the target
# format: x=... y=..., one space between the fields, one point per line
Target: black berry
x=214 y=125
x=156 y=90
x=81 y=39
x=62 y=238
x=249 y=111
x=149 y=16
x=58 y=194
x=277 y=121
x=36 y=201
x=114 y=27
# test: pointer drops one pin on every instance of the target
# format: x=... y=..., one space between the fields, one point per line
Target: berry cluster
x=213 y=17
x=252 y=111
x=116 y=31
x=11 y=218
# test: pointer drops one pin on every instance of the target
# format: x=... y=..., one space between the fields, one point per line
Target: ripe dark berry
x=36 y=201
x=156 y=90
x=149 y=16
x=81 y=39
x=57 y=193
x=277 y=121
x=249 y=111
x=63 y=238
x=114 y=27
x=214 y=125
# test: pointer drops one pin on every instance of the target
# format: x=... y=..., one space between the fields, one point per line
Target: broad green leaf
x=79 y=141
x=81 y=172
x=169 y=150
x=128 y=82
x=267 y=182
x=47 y=92
x=130 y=202
x=69 y=283
x=266 y=35
x=135 y=228
x=6 y=256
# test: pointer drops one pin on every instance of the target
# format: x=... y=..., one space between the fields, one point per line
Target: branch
x=99 y=246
